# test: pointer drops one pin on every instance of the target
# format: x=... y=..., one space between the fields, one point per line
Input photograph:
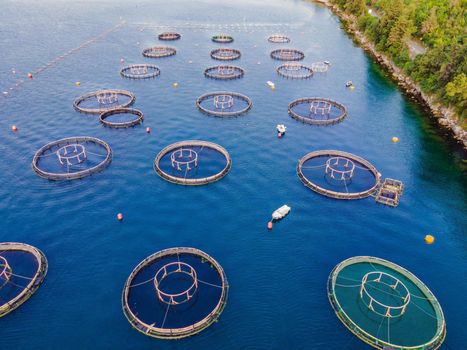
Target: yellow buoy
x=429 y=239
x=175 y=85
x=78 y=83
x=395 y=139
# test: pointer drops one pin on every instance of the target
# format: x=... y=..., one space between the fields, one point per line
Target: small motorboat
x=349 y=84
x=280 y=213
x=271 y=84
x=281 y=128
x=327 y=63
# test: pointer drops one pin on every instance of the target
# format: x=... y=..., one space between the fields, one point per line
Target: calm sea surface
x=277 y=298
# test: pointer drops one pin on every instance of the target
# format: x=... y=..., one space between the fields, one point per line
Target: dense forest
x=437 y=26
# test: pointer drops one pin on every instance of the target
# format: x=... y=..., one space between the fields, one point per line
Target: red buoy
x=148 y=130
x=30 y=75
x=279 y=135
x=120 y=216
x=14 y=128
x=270 y=225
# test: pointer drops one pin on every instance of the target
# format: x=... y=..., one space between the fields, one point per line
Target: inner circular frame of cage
x=140 y=71
x=319 y=111
x=138 y=118
x=222 y=39
x=183 y=147
x=226 y=101
x=279 y=39
x=287 y=55
x=169 y=36
x=294 y=71
x=106 y=100
x=224 y=72
x=159 y=51
x=226 y=54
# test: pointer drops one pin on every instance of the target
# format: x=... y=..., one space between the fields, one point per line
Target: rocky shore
x=444 y=116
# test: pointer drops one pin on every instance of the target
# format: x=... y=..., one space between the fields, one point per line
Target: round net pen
x=385 y=305
x=338 y=174
x=169 y=36
x=225 y=54
x=222 y=39
x=224 y=104
x=193 y=162
x=121 y=118
x=101 y=101
x=317 y=111
x=294 y=71
x=175 y=293
x=287 y=55
x=22 y=271
x=279 y=39
x=72 y=158
x=224 y=72
x=320 y=67
x=140 y=71
x=159 y=51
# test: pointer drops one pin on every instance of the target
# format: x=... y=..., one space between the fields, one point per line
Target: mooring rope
x=348 y=285
x=27 y=278
x=209 y=284
x=312 y=167
x=165 y=316
x=426 y=313
x=141 y=283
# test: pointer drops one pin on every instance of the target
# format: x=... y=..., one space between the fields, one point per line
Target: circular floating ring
x=369 y=294
x=294 y=71
x=169 y=36
x=224 y=104
x=101 y=101
x=22 y=271
x=338 y=174
x=222 y=39
x=72 y=158
x=317 y=111
x=159 y=51
x=118 y=114
x=225 y=54
x=193 y=162
x=140 y=71
x=320 y=67
x=188 y=293
x=287 y=55
x=224 y=72
x=279 y=38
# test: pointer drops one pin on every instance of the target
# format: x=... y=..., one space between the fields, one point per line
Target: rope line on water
x=165 y=316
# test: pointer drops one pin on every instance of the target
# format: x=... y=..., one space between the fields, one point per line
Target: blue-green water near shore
x=277 y=298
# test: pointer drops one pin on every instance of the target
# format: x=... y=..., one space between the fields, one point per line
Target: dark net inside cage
x=169 y=36
x=294 y=71
x=287 y=55
x=225 y=54
x=159 y=51
x=224 y=104
x=222 y=38
x=317 y=111
x=224 y=72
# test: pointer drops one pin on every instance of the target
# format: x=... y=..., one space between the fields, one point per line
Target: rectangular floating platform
x=390 y=192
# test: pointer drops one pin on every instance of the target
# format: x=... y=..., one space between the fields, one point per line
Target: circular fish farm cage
x=224 y=104
x=279 y=39
x=175 y=293
x=385 y=305
x=320 y=67
x=338 y=174
x=140 y=71
x=121 y=118
x=72 y=158
x=224 y=72
x=287 y=55
x=159 y=51
x=193 y=162
x=225 y=54
x=317 y=111
x=222 y=39
x=101 y=101
x=169 y=36
x=294 y=71
x=22 y=271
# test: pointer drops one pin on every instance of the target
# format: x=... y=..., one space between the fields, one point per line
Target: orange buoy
x=429 y=239
x=279 y=135
x=270 y=225
x=120 y=216
x=395 y=139
x=14 y=128
x=148 y=130
x=30 y=75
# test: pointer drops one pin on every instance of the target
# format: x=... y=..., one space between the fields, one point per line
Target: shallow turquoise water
x=278 y=279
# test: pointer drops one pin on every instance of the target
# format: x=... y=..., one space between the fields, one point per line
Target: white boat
x=281 y=212
x=281 y=128
x=271 y=84
x=349 y=83
x=327 y=63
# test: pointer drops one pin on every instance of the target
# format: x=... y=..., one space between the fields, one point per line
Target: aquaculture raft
x=72 y=158
x=159 y=51
x=338 y=174
x=225 y=54
x=224 y=72
x=119 y=118
x=385 y=305
x=192 y=162
x=169 y=36
x=294 y=71
x=279 y=39
x=101 y=101
x=222 y=39
x=175 y=293
x=317 y=111
x=287 y=55
x=22 y=271
x=140 y=71
x=224 y=104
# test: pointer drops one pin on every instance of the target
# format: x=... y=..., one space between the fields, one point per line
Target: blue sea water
x=277 y=297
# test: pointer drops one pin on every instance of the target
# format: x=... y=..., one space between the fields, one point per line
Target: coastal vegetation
x=425 y=38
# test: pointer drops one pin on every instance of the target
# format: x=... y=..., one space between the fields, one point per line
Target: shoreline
x=444 y=116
